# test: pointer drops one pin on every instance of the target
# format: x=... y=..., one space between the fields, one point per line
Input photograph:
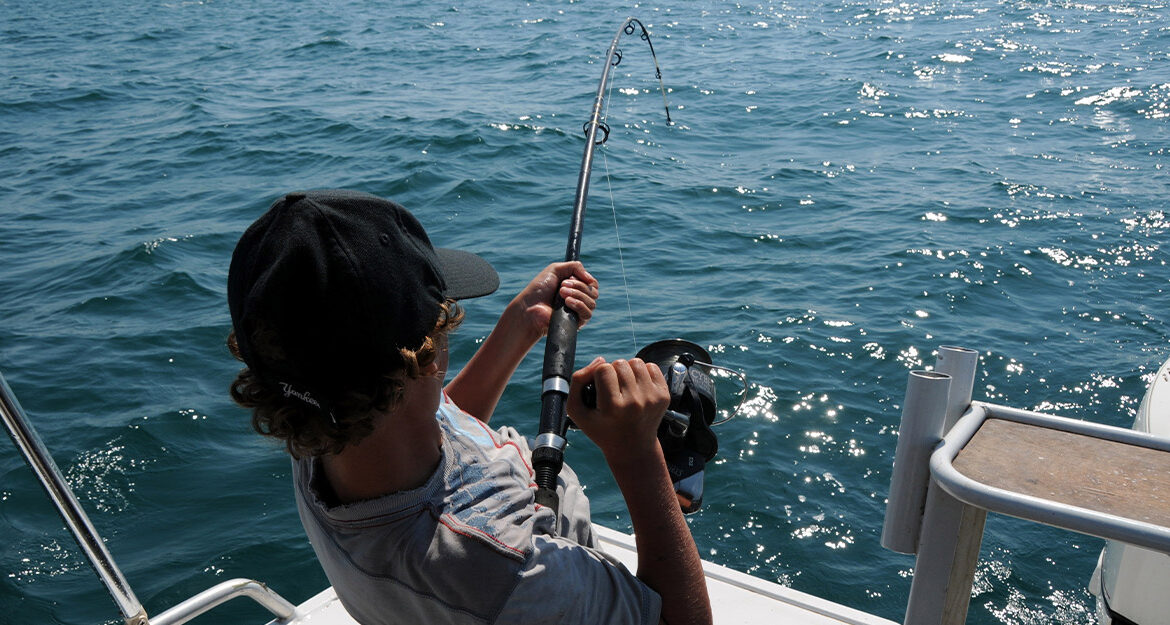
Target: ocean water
x=848 y=185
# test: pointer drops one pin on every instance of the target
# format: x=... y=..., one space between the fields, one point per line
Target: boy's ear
x=431 y=369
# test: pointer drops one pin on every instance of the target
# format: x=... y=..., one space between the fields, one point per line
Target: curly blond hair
x=312 y=431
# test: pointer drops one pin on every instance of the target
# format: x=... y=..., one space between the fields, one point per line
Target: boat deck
x=1051 y=464
x=735 y=597
x=740 y=598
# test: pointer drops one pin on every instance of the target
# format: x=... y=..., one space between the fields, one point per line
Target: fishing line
x=613 y=207
x=561 y=342
x=742 y=398
x=684 y=434
x=609 y=180
x=621 y=258
x=617 y=232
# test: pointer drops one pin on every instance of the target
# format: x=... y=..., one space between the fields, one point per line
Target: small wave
x=1109 y=96
x=526 y=126
x=157 y=35
x=325 y=43
x=872 y=92
x=100 y=477
x=1056 y=68
x=68 y=101
x=953 y=58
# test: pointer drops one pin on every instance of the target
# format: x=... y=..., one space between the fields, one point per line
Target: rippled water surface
x=848 y=185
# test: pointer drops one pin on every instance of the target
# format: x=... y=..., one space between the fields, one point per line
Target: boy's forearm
x=478 y=386
x=668 y=560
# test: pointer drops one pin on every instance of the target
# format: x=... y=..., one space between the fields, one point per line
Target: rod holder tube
x=38 y=458
x=952 y=531
x=948 y=552
x=923 y=413
x=959 y=363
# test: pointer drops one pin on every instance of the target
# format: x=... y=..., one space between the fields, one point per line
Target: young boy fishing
x=418 y=512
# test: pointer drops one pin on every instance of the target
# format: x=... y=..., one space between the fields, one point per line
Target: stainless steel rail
x=51 y=479
x=1048 y=512
x=220 y=593
x=941 y=519
x=42 y=464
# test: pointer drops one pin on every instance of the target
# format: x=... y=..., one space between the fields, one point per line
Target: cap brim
x=466 y=274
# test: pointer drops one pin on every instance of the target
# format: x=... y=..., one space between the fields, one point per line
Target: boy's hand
x=571 y=282
x=631 y=399
x=479 y=384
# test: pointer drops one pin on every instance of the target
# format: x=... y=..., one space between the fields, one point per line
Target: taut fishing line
x=609 y=183
x=685 y=433
x=613 y=207
x=621 y=257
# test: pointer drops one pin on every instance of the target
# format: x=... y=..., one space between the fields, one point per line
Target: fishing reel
x=685 y=434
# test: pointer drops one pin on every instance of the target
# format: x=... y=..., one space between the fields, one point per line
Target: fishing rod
x=561 y=344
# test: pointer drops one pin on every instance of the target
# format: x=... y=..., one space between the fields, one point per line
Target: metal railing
x=938 y=514
x=220 y=593
x=78 y=523
x=1046 y=511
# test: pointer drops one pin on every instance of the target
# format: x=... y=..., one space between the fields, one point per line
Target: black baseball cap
x=327 y=286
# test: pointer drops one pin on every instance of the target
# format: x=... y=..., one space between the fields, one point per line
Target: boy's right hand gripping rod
x=548 y=455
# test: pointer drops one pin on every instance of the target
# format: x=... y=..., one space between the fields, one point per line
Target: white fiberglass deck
x=740 y=598
x=736 y=597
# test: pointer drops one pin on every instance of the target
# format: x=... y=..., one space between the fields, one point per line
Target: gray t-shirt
x=470 y=545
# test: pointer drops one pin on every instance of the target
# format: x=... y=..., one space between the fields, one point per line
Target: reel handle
x=676 y=421
x=589 y=395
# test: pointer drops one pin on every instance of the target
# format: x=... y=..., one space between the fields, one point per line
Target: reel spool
x=685 y=433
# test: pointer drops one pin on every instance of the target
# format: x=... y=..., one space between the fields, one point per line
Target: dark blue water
x=848 y=186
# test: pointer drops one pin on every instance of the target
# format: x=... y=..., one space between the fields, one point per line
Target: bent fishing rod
x=561 y=344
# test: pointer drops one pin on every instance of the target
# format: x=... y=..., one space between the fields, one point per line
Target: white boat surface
x=1130 y=582
x=735 y=597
